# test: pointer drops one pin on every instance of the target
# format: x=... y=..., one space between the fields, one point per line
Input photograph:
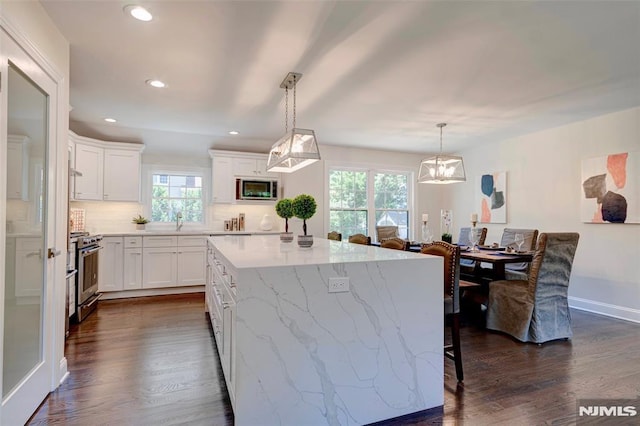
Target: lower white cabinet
x=160 y=267
x=110 y=277
x=158 y=261
x=220 y=298
x=132 y=268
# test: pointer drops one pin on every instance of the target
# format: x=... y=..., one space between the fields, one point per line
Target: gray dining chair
x=536 y=310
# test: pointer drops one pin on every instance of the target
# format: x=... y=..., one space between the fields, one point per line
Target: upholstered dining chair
x=536 y=310
x=384 y=232
x=451 y=255
x=334 y=235
x=518 y=271
x=360 y=239
x=467 y=265
x=395 y=243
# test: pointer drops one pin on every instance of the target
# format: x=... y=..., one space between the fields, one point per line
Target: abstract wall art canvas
x=491 y=197
x=611 y=189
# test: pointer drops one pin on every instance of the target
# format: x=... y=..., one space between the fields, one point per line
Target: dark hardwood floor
x=152 y=361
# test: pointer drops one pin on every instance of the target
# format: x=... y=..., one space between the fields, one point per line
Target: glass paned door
x=27 y=314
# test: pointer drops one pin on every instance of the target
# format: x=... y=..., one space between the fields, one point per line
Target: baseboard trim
x=614 y=311
x=107 y=295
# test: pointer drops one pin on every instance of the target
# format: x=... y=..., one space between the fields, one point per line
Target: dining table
x=498 y=258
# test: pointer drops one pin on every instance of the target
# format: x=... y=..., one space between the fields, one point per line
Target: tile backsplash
x=104 y=217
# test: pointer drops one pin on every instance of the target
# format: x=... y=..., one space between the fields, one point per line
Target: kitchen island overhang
x=294 y=353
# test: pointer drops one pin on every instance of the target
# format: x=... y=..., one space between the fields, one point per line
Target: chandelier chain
x=286 y=110
x=294 y=101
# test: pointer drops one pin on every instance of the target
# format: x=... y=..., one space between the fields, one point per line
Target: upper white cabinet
x=228 y=165
x=223 y=182
x=110 y=171
x=89 y=162
x=17 y=167
x=252 y=167
x=122 y=175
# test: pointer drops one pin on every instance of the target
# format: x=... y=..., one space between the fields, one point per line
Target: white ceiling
x=377 y=74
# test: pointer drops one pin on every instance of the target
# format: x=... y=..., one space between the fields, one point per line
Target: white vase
x=266 y=223
x=140 y=226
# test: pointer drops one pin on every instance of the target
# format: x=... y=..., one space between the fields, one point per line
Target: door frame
x=57 y=238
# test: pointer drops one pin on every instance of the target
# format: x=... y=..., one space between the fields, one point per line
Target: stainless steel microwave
x=256 y=189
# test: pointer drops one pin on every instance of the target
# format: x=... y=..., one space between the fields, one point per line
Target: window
x=360 y=200
x=176 y=193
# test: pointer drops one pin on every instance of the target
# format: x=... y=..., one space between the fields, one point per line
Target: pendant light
x=297 y=148
x=442 y=168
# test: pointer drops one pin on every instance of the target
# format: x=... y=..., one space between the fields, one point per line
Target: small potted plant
x=284 y=209
x=304 y=206
x=447 y=238
x=140 y=221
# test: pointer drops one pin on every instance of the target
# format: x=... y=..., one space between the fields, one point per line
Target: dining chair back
x=385 y=232
x=463 y=240
x=518 y=270
x=360 y=239
x=334 y=235
x=451 y=286
x=395 y=243
x=537 y=309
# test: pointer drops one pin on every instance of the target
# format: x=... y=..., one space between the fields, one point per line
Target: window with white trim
x=173 y=193
x=361 y=199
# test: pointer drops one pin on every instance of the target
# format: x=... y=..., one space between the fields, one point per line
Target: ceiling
x=376 y=74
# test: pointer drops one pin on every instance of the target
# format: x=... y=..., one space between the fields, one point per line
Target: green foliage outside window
x=177 y=193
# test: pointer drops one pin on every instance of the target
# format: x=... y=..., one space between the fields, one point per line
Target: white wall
x=544 y=189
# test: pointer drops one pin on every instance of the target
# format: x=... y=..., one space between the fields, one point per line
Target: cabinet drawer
x=165 y=241
x=132 y=242
x=192 y=241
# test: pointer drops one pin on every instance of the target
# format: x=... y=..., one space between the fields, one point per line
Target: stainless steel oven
x=87 y=259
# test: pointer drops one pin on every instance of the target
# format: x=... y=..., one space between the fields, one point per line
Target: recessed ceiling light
x=233 y=132
x=156 y=83
x=110 y=120
x=138 y=12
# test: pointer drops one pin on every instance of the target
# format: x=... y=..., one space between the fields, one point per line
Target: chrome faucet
x=179 y=221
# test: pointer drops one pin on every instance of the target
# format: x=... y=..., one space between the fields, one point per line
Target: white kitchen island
x=294 y=353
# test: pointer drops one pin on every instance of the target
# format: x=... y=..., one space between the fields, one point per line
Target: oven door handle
x=86 y=253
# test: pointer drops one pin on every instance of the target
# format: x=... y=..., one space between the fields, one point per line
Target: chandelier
x=442 y=168
x=297 y=148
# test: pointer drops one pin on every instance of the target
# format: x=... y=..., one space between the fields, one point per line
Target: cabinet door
x=17 y=171
x=223 y=180
x=159 y=267
x=261 y=167
x=89 y=162
x=110 y=267
x=132 y=268
x=228 y=342
x=245 y=167
x=71 y=148
x=121 y=175
x=192 y=263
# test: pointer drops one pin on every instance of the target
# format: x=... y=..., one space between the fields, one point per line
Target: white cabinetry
x=172 y=261
x=17 y=167
x=110 y=170
x=223 y=183
x=227 y=165
x=252 y=167
x=132 y=263
x=89 y=162
x=192 y=260
x=220 y=298
x=110 y=272
x=121 y=175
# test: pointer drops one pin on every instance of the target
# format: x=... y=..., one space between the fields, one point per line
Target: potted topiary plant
x=140 y=221
x=304 y=206
x=284 y=209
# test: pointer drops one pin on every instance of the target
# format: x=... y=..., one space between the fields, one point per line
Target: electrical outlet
x=338 y=284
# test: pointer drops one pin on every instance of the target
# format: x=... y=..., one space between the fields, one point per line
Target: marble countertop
x=259 y=251
x=151 y=233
